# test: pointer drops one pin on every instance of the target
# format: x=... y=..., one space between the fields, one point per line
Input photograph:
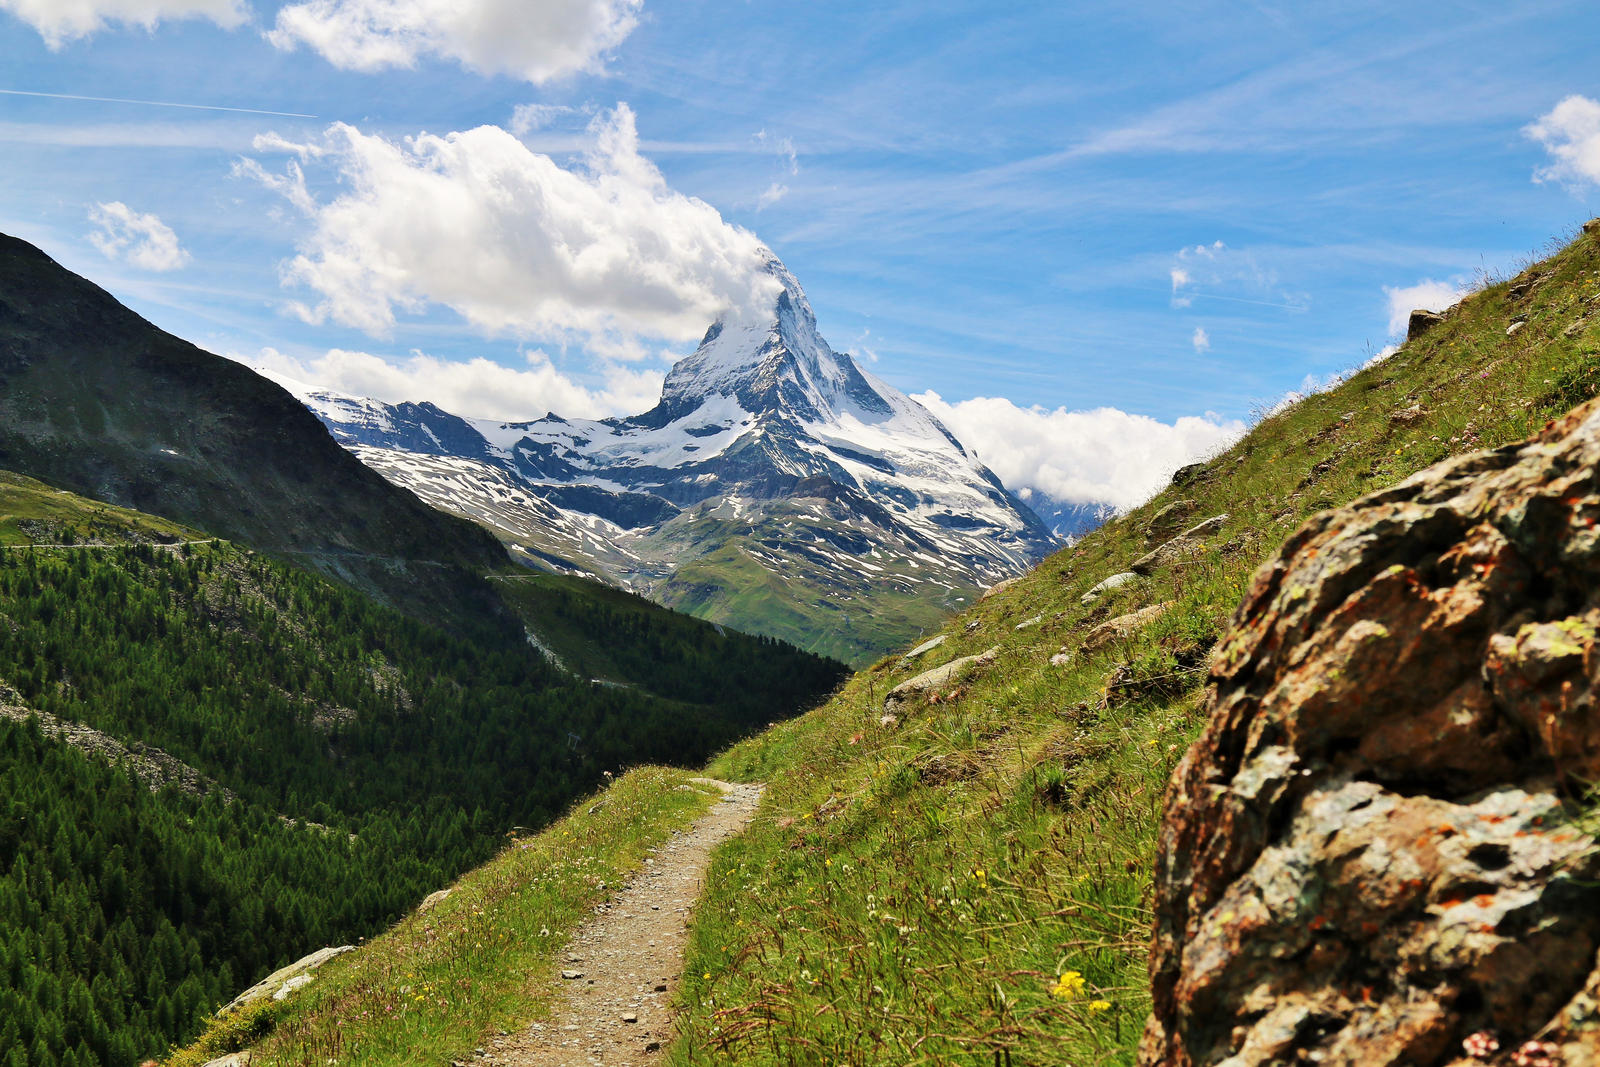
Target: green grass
x=32 y=512
x=852 y=924
x=482 y=960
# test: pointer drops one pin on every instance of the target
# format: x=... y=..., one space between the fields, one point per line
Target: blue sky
x=1164 y=215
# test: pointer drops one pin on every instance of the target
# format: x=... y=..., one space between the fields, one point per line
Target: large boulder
x=1376 y=852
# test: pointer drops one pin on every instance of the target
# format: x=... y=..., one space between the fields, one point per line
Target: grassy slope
x=32 y=512
x=481 y=961
x=913 y=893
x=849 y=615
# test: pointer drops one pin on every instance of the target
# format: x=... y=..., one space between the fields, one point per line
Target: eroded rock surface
x=1375 y=851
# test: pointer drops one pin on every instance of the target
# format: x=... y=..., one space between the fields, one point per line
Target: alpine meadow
x=645 y=533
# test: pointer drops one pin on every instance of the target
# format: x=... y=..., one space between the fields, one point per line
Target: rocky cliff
x=1381 y=849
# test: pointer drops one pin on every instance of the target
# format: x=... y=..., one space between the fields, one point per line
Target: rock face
x=1373 y=853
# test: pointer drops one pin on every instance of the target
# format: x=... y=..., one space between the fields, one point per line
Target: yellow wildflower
x=1099 y=1005
x=1069 y=986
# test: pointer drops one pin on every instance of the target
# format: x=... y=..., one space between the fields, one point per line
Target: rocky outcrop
x=938 y=678
x=1421 y=321
x=1185 y=546
x=927 y=646
x=155 y=768
x=1375 y=854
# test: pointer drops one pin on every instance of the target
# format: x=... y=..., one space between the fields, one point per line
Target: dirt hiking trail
x=621 y=969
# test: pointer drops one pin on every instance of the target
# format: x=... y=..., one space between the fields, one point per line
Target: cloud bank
x=1100 y=456
x=605 y=252
x=475 y=388
x=1571 y=134
x=61 y=21
x=536 y=41
x=140 y=240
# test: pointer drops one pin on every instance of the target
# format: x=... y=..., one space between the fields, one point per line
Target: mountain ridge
x=96 y=399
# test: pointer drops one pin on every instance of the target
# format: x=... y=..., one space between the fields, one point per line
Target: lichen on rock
x=1376 y=851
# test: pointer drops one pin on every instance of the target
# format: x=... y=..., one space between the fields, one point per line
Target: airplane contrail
x=156 y=103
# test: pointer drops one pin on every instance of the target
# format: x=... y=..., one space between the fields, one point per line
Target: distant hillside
x=351 y=758
x=95 y=399
x=957 y=866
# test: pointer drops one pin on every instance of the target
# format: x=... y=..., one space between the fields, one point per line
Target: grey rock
x=1421 y=321
x=939 y=677
x=1164 y=523
x=1371 y=853
x=1116 y=581
x=1122 y=627
x=1185 y=546
x=927 y=646
x=278 y=981
x=999 y=587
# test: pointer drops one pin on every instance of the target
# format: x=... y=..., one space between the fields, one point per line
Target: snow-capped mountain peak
x=764 y=437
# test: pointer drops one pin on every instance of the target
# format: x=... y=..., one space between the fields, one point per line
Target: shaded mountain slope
x=96 y=399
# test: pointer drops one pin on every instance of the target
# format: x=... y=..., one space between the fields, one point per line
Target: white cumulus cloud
x=474 y=388
x=1571 y=134
x=1201 y=340
x=1101 y=456
x=138 y=239
x=1426 y=295
x=60 y=21
x=513 y=242
x=536 y=40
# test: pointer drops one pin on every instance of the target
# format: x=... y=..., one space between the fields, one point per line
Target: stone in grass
x=1116 y=581
x=939 y=677
x=1164 y=523
x=571 y=976
x=1185 y=546
x=1421 y=321
x=1122 y=627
